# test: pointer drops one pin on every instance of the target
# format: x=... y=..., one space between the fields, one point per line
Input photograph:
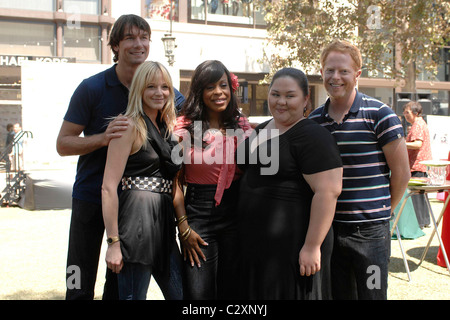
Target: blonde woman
x=140 y=221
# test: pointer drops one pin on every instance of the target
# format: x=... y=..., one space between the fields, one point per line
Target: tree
x=397 y=38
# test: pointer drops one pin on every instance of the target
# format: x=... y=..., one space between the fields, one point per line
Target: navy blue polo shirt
x=95 y=101
x=369 y=125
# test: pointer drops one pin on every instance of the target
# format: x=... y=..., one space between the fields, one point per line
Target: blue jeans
x=134 y=279
x=360 y=259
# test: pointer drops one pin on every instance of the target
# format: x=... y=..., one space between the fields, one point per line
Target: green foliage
x=391 y=34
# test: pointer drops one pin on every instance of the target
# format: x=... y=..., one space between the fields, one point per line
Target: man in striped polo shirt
x=376 y=173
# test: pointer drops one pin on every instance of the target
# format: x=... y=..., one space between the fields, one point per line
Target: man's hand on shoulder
x=115 y=128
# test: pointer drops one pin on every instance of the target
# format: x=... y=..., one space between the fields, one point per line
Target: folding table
x=424 y=190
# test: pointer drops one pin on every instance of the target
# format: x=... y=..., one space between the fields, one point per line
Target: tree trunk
x=410 y=77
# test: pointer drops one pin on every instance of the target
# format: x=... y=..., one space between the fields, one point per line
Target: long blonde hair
x=144 y=74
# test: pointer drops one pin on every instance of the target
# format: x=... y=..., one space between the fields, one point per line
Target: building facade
x=76 y=31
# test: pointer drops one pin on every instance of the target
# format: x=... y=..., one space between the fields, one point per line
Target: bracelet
x=181 y=220
x=188 y=235
x=112 y=240
x=185 y=235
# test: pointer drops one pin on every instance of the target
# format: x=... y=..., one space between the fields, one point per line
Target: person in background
x=214 y=5
x=285 y=216
x=8 y=145
x=235 y=6
x=247 y=8
x=16 y=155
x=207 y=228
x=371 y=141
x=140 y=224
x=9 y=134
x=419 y=149
x=225 y=6
x=95 y=101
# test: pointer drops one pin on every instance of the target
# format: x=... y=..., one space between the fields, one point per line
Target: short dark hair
x=125 y=23
x=415 y=107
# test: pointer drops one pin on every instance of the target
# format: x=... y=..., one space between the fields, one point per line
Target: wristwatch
x=112 y=240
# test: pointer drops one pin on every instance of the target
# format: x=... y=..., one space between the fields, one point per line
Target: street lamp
x=169 y=41
x=169 y=47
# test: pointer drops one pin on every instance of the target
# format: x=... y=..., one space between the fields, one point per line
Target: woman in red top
x=419 y=149
x=210 y=126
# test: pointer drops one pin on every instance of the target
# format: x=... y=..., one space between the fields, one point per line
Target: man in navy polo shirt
x=373 y=150
x=93 y=104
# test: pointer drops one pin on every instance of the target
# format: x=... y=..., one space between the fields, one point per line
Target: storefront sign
x=16 y=61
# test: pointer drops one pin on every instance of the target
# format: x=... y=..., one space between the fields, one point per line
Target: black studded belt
x=154 y=184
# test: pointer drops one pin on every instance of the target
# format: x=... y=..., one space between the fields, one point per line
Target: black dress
x=274 y=212
x=146 y=218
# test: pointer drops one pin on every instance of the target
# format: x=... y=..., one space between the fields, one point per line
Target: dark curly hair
x=194 y=109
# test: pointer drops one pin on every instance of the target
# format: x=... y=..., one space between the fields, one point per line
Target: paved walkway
x=33 y=249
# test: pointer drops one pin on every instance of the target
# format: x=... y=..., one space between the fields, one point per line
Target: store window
x=241 y=12
x=253 y=99
x=82 y=43
x=82 y=6
x=27 y=38
x=380 y=71
x=251 y=94
x=442 y=58
x=385 y=95
x=160 y=9
x=41 y=5
x=262 y=108
x=440 y=102
x=244 y=97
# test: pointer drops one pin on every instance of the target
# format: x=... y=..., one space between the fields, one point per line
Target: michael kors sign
x=16 y=61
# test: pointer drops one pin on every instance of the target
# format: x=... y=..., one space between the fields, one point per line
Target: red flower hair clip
x=234 y=82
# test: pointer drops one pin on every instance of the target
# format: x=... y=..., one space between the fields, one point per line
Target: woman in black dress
x=140 y=223
x=286 y=205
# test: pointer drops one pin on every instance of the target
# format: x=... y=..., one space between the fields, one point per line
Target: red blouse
x=214 y=164
x=419 y=131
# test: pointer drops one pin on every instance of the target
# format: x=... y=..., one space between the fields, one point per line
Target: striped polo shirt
x=369 y=125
